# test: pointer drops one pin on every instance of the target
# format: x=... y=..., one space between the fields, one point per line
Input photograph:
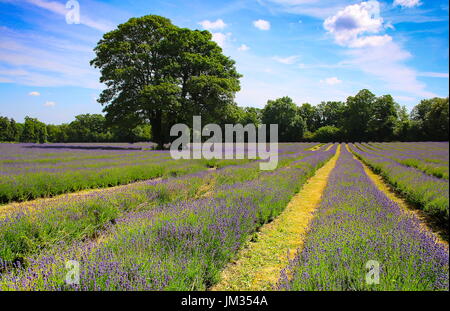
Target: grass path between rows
x=33 y=205
x=404 y=205
x=36 y=204
x=45 y=202
x=258 y=265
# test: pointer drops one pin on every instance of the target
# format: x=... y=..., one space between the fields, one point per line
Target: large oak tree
x=159 y=73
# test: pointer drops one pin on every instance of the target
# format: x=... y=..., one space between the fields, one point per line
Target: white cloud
x=350 y=25
x=376 y=55
x=262 y=24
x=34 y=94
x=331 y=81
x=218 y=24
x=286 y=60
x=221 y=38
x=243 y=48
x=370 y=41
x=407 y=3
x=50 y=104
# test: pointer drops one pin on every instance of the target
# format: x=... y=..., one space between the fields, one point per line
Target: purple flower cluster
x=429 y=193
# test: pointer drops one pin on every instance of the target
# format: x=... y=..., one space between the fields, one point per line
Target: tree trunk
x=157 y=133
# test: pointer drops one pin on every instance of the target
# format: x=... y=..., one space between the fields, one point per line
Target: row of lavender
x=26 y=174
x=182 y=244
x=31 y=228
x=429 y=193
x=361 y=240
x=427 y=151
x=430 y=158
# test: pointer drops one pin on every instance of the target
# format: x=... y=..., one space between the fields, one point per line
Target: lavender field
x=127 y=217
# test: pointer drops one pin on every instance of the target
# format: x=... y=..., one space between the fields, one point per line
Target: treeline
x=363 y=117
x=85 y=128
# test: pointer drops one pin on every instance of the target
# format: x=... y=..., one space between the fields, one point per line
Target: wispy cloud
x=434 y=74
x=262 y=24
x=34 y=94
x=331 y=81
x=313 y=8
x=407 y=3
x=56 y=63
x=243 y=48
x=375 y=54
x=218 y=24
x=387 y=64
x=286 y=60
x=49 y=104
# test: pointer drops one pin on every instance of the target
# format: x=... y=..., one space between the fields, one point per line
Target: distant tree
x=64 y=133
x=13 y=132
x=231 y=114
x=331 y=113
x=308 y=136
x=34 y=131
x=59 y=133
x=142 y=132
x=327 y=134
x=53 y=132
x=310 y=115
x=402 y=128
x=357 y=115
x=431 y=118
x=437 y=119
x=286 y=114
x=4 y=127
x=131 y=132
x=163 y=74
x=88 y=128
x=251 y=115
x=383 y=118
x=19 y=127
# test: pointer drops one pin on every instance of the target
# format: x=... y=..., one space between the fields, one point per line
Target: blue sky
x=310 y=50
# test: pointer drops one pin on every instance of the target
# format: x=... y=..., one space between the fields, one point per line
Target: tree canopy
x=286 y=114
x=159 y=73
x=431 y=118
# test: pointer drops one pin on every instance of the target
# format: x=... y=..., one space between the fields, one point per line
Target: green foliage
x=34 y=131
x=331 y=113
x=158 y=72
x=327 y=134
x=88 y=128
x=9 y=130
x=358 y=114
x=383 y=119
x=286 y=114
x=431 y=118
x=311 y=116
